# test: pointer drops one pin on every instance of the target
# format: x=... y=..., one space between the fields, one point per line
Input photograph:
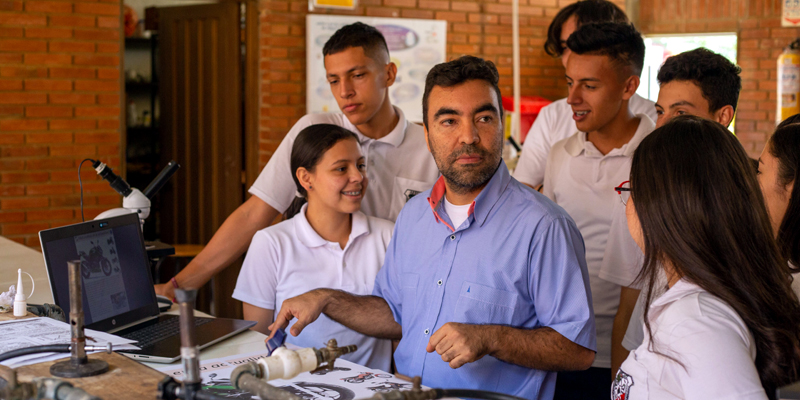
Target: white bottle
x=20 y=301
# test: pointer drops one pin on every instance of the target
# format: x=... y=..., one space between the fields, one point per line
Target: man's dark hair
x=458 y=71
x=784 y=145
x=621 y=42
x=358 y=35
x=586 y=12
x=717 y=77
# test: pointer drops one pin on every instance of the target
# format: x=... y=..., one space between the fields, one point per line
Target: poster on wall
x=415 y=46
x=791 y=13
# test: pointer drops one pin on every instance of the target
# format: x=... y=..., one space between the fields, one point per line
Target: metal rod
x=78 y=341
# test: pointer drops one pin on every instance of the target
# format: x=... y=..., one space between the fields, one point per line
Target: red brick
x=108 y=73
x=10 y=58
x=22 y=19
x=108 y=47
x=63 y=188
x=452 y=16
x=112 y=149
x=48 y=111
x=95 y=138
x=48 y=138
x=71 y=20
x=400 y=3
x=420 y=14
x=434 y=4
x=97 y=111
x=97 y=34
x=86 y=73
x=109 y=61
x=97 y=9
x=24 y=177
x=10 y=5
x=10 y=110
x=48 y=33
x=71 y=150
x=25 y=228
x=10 y=84
x=106 y=99
x=48 y=6
x=10 y=216
x=108 y=124
x=97 y=86
x=71 y=201
x=72 y=124
x=11 y=191
x=71 y=98
x=108 y=22
x=10 y=32
x=48 y=85
x=22 y=125
x=71 y=47
x=12 y=165
x=383 y=12
x=26 y=46
x=48 y=59
x=754 y=33
x=50 y=215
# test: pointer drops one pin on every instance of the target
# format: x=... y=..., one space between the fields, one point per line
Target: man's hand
x=306 y=308
x=166 y=290
x=459 y=344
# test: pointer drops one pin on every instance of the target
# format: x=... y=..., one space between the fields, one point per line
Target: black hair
x=718 y=78
x=460 y=70
x=358 y=35
x=309 y=146
x=702 y=213
x=784 y=145
x=586 y=12
x=621 y=42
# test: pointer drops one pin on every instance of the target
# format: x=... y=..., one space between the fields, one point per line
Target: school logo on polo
x=411 y=193
x=622 y=386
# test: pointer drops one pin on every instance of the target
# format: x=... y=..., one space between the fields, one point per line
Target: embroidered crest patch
x=621 y=387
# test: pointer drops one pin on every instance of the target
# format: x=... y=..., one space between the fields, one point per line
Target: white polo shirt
x=290 y=258
x=581 y=180
x=399 y=166
x=707 y=336
x=555 y=123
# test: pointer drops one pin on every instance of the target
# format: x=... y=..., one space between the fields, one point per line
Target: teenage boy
x=603 y=75
x=398 y=164
x=468 y=313
x=697 y=82
x=555 y=121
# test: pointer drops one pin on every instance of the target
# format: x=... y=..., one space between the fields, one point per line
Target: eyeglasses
x=624 y=191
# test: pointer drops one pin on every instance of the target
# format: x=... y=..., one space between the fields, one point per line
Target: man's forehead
x=674 y=92
x=465 y=96
x=346 y=60
x=580 y=66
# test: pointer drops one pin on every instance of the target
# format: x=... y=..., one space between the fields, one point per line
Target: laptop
x=118 y=294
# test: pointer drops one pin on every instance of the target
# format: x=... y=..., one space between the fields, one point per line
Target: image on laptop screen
x=114 y=268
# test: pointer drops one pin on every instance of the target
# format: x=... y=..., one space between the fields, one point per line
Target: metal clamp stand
x=78 y=365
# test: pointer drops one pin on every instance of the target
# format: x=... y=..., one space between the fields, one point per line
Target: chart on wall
x=415 y=46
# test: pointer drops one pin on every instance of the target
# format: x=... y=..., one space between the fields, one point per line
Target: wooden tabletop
x=17 y=256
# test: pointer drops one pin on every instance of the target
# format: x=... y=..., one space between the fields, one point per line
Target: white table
x=14 y=256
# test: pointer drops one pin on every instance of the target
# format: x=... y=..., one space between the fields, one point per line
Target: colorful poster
x=791 y=13
x=415 y=46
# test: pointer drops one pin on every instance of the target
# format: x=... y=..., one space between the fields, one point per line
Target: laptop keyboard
x=160 y=331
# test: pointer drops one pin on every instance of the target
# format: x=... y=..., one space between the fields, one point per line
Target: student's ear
x=391 y=73
x=631 y=84
x=724 y=115
x=305 y=178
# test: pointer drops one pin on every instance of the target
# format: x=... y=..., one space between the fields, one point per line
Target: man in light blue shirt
x=485 y=280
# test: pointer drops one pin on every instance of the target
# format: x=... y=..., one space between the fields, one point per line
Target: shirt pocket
x=404 y=189
x=479 y=304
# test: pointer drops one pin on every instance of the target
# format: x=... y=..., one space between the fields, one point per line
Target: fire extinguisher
x=788 y=82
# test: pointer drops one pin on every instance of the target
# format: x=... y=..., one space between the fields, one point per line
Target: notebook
x=118 y=294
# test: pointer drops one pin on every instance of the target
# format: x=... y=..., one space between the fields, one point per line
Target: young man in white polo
x=582 y=171
x=399 y=165
x=554 y=121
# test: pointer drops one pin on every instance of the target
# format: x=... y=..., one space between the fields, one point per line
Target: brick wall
x=481 y=28
x=761 y=41
x=59 y=103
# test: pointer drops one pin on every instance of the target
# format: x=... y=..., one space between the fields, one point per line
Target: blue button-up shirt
x=517 y=260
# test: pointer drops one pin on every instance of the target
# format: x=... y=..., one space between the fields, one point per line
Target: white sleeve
x=533 y=159
x=717 y=360
x=547 y=184
x=258 y=279
x=275 y=185
x=623 y=258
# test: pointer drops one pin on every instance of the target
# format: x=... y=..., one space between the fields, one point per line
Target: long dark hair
x=784 y=145
x=309 y=147
x=702 y=212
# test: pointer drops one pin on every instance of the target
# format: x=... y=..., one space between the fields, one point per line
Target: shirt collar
x=577 y=143
x=310 y=238
x=482 y=204
x=679 y=290
x=394 y=138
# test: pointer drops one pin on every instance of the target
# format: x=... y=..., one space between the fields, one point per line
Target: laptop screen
x=115 y=271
